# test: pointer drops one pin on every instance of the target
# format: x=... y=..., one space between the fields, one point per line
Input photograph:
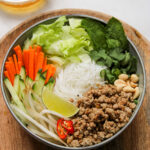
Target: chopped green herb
x=115 y=71
x=110 y=48
x=136 y=101
x=103 y=74
x=116 y=54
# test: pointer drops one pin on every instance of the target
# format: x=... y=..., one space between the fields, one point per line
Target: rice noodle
x=77 y=78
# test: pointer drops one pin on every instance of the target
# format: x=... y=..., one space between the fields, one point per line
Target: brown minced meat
x=102 y=112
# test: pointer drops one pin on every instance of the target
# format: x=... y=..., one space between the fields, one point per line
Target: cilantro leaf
x=110 y=48
x=116 y=54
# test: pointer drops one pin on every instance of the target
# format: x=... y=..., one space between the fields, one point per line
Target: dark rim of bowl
x=60 y=146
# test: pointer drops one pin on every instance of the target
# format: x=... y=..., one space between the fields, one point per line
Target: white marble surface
x=134 y=12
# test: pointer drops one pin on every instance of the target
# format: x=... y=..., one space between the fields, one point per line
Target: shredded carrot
x=44 y=67
x=18 y=51
x=17 y=48
x=37 y=51
x=49 y=73
x=30 y=47
x=10 y=71
x=26 y=60
x=38 y=48
x=16 y=63
x=53 y=70
x=39 y=62
x=10 y=59
x=35 y=63
x=33 y=60
x=19 y=55
x=19 y=65
x=31 y=63
x=7 y=75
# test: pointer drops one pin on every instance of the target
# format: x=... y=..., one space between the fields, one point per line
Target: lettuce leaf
x=63 y=38
x=74 y=22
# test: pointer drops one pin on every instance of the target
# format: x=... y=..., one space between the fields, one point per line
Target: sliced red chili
x=61 y=131
x=68 y=125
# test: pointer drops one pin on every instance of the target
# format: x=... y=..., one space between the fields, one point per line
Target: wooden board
x=135 y=137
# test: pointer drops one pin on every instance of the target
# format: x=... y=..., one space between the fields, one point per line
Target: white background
x=133 y=12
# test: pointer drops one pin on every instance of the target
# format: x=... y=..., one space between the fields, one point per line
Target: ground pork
x=102 y=112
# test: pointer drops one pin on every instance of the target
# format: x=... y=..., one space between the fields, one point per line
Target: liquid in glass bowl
x=19 y=7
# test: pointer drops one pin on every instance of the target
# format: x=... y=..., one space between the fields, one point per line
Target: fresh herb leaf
x=101 y=58
x=111 y=78
x=116 y=72
x=133 y=67
x=126 y=59
x=114 y=30
x=110 y=48
x=103 y=73
x=109 y=61
x=95 y=55
x=113 y=43
x=116 y=54
x=96 y=31
x=136 y=101
x=101 y=62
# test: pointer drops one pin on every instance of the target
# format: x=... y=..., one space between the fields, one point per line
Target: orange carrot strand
x=49 y=73
x=7 y=75
x=17 y=48
x=19 y=65
x=39 y=62
x=31 y=62
x=10 y=59
x=19 y=54
x=38 y=48
x=35 y=63
x=9 y=69
x=16 y=64
x=26 y=60
x=20 y=58
x=44 y=64
x=53 y=70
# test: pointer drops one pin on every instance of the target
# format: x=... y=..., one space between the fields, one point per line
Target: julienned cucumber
x=23 y=73
x=38 y=75
x=14 y=95
x=16 y=83
x=22 y=89
x=28 y=81
x=50 y=84
x=38 y=85
x=44 y=74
